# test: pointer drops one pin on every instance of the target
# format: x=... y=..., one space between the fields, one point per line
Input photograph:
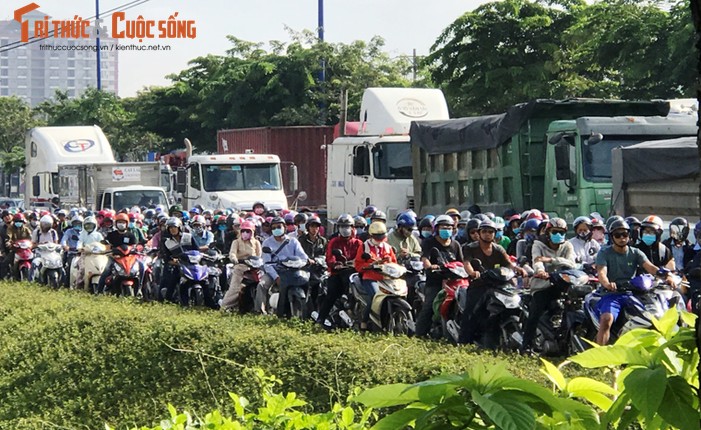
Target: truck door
x=361 y=183
x=562 y=176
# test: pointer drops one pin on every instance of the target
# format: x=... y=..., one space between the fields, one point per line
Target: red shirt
x=349 y=247
x=384 y=251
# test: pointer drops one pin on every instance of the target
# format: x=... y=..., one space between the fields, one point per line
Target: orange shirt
x=383 y=251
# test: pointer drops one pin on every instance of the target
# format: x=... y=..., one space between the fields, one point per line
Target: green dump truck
x=553 y=155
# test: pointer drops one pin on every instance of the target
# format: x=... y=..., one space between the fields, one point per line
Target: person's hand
x=541 y=274
x=403 y=252
x=611 y=286
x=338 y=266
x=476 y=274
x=435 y=267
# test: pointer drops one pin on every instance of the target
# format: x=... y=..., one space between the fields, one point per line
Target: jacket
x=383 y=251
x=291 y=249
x=14 y=234
x=398 y=241
x=563 y=258
x=349 y=248
x=313 y=248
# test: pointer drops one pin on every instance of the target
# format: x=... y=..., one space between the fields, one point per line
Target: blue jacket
x=292 y=249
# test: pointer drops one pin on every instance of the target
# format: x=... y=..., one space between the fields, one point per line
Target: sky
x=404 y=24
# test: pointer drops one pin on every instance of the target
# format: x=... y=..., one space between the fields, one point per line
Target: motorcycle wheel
x=575 y=339
x=147 y=288
x=52 y=280
x=94 y=288
x=127 y=291
x=196 y=297
x=511 y=339
x=24 y=274
x=401 y=322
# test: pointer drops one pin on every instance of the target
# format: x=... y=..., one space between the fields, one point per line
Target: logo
x=80 y=145
x=412 y=108
x=118 y=174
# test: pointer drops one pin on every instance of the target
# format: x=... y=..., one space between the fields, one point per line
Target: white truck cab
x=48 y=147
x=233 y=181
x=375 y=166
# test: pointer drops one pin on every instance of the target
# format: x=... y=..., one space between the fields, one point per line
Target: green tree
x=16 y=117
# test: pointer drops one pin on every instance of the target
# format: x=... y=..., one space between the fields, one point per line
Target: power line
x=34 y=39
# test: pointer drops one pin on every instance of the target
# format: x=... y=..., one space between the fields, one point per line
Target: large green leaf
x=689 y=318
x=667 y=325
x=388 y=395
x=679 y=406
x=614 y=355
x=646 y=388
x=399 y=420
x=505 y=413
x=554 y=374
x=639 y=336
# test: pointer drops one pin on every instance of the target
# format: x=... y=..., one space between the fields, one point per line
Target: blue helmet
x=531 y=224
x=406 y=220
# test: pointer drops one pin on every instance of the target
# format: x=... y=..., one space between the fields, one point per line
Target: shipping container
x=305 y=146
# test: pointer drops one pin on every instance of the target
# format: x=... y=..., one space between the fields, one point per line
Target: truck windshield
x=129 y=198
x=238 y=177
x=596 y=159
x=392 y=160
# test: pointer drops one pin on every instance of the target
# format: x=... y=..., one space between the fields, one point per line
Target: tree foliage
x=16 y=117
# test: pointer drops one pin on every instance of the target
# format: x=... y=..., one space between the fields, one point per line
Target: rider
x=656 y=252
x=300 y=223
x=550 y=253
x=200 y=234
x=173 y=243
x=585 y=249
x=501 y=239
x=339 y=273
x=282 y=248
x=107 y=224
x=45 y=232
x=405 y=244
x=120 y=236
x=682 y=250
x=490 y=255
x=69 y=241
x=615 y=264
x=529 y=231
x=16 y=232
x=449 y=250
x=138 y=232
x=426 y=228
x=87 y=237
x=376 y=216
x=314 y=245
x=380 y=251
x=635 y=226
x=242 y=248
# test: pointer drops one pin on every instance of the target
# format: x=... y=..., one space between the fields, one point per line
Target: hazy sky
x=404 y=24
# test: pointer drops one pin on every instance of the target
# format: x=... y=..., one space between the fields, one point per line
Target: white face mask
x=345 y=231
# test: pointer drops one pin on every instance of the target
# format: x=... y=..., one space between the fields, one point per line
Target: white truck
x=375 y=166
x=233 y=181
x=48 y=147
x=111 y=185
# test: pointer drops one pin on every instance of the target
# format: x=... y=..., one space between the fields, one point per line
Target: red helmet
x=133 y=216
x=121 y=217
x=248 y=225
x=535 y=214
x=19 y=217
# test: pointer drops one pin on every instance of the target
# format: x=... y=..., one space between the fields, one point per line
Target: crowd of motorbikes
x=568 y=326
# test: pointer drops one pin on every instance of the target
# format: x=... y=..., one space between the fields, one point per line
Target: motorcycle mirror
x=366 y=256
x=337 y=253
x=267 y=250
x=523 y=260
x=212 y=245
x=476 y=264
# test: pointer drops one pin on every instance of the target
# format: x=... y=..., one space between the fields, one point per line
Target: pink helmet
x=248 y=225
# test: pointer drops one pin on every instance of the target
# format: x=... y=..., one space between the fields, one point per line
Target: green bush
x=79 y=361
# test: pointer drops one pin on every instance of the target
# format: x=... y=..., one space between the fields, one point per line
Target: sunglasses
x=558 y=231
x=621 y=234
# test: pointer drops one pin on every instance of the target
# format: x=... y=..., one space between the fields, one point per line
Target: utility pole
x=97 y=40
x=322 y=76
x=413 y=64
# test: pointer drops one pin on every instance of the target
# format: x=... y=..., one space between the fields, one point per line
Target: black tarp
x=491 y=131
x=660 y=160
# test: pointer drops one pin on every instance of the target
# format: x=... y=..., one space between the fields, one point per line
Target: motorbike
x=125 y=279
x=94 y=263
x=48 y=264
x=151 y=279
x=23 y=258
x=561 y=328
x=193 y=276
x=214 y=260
x=250 y=281
x=339 y=314
x=389 y=310
x=416 y=283
x=499 y=312
x=450 y=302
x=293 y=270
x=319 y=273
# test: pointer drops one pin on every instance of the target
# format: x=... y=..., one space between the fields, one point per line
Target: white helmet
x=91 y=220
x=46 y=221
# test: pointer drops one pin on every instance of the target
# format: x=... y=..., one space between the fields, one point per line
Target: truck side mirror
x=181 y=180
x=361 y=161
x=36 y=185
x=294 y=179
x=563 y=171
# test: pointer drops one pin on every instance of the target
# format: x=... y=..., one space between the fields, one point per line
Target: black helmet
x=679 y=229
x=617 y=224
x=278 y=220
x=481 y=217
x=612 y=219
x=632 y=221
x=379 y=215
x=426 y=221
x=359 y=221
x=345 y=220
x=300 y=218
x=472 y=224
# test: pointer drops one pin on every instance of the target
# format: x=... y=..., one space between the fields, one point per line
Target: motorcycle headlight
x=135 y=270
x=120 y=270
x=54 y=264
x=213 y=271
x=195 y=259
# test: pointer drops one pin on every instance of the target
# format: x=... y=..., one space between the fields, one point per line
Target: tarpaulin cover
x=491 y=131
x=660 y=160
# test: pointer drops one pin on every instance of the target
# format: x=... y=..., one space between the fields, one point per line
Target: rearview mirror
x=365 y=256
x=181 y=180
x=267 y=250
x=294 y=179
x=337 y=253
x=595 y=138
x=36 y=185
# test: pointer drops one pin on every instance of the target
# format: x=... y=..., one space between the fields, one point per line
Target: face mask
x=302 y=227
x=222 y=227
x=78 y=228
x=33 y=224
x=529 y=236
x=368 y=220
x=649 y=239
x=90 y=229
x=517 y=230
x=557 y=238
x=277 y=232
x=197 y=230
x=121 y=226
x=499 y=235
x=597 y=235
x=584 y=235
x=344 y=231
x=425 y=234
x=19 y=224
x=445 y=234
x=246 y=235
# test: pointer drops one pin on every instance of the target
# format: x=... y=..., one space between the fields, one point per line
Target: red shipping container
x=304 y=146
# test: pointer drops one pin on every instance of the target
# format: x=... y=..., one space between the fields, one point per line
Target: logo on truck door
x=79 y=145
x=412 y=108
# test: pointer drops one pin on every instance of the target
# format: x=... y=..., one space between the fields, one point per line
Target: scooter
x=214 y=261
x=94 y=263
x=151 y=279
x=450 y=301
x=295 y=274
x=126 y=272
x=23 y=258
x=389 y=309
x=250 y=281
x=339 y=314
x=193 y=276
x=48 y=265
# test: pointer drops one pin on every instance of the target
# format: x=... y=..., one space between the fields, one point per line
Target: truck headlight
x=213 y=196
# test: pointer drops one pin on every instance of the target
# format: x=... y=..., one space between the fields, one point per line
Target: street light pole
x=97 y=39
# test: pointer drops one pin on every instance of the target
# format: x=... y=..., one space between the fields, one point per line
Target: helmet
x=345 y=220
x=121 y=217
x=406 y=220
x=149 y=213
x=133 y=216
x=596 y=223
x=314 y=220
x=174 y=222
x=289 y=218
x=135 y=209
x=359 y=221
x=581 y=220
x=278 y=220
x=473 y=224
x=556 y=223
x=379 y=215
x=697 y=229
x=631 y=220
x=531 y=224
x=198 y=219
x=248 y=225
x=47 y=222
x=490 y=215
x=653 y=221
x=488 y=224
x=19 y=218
x=175 y=208
x=427 y=221
x=535 y=214
x=300 y=218
x=195 y=211
x=679 y=228
x=61 y=212
x=377 y=228
x=76 y=219
x=618 y=224
x=499 y=221
x=612 y=219
x=443 y=220
x=90 y=221
x=368 y=211
x=453 y=212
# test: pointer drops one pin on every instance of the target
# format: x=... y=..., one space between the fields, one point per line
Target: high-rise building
x=34 y=71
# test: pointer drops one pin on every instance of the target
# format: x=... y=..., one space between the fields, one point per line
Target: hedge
x=78 y=361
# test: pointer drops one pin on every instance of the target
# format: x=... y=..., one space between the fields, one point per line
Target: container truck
x=111 y=185
x=546 y=154
x=659 y=177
